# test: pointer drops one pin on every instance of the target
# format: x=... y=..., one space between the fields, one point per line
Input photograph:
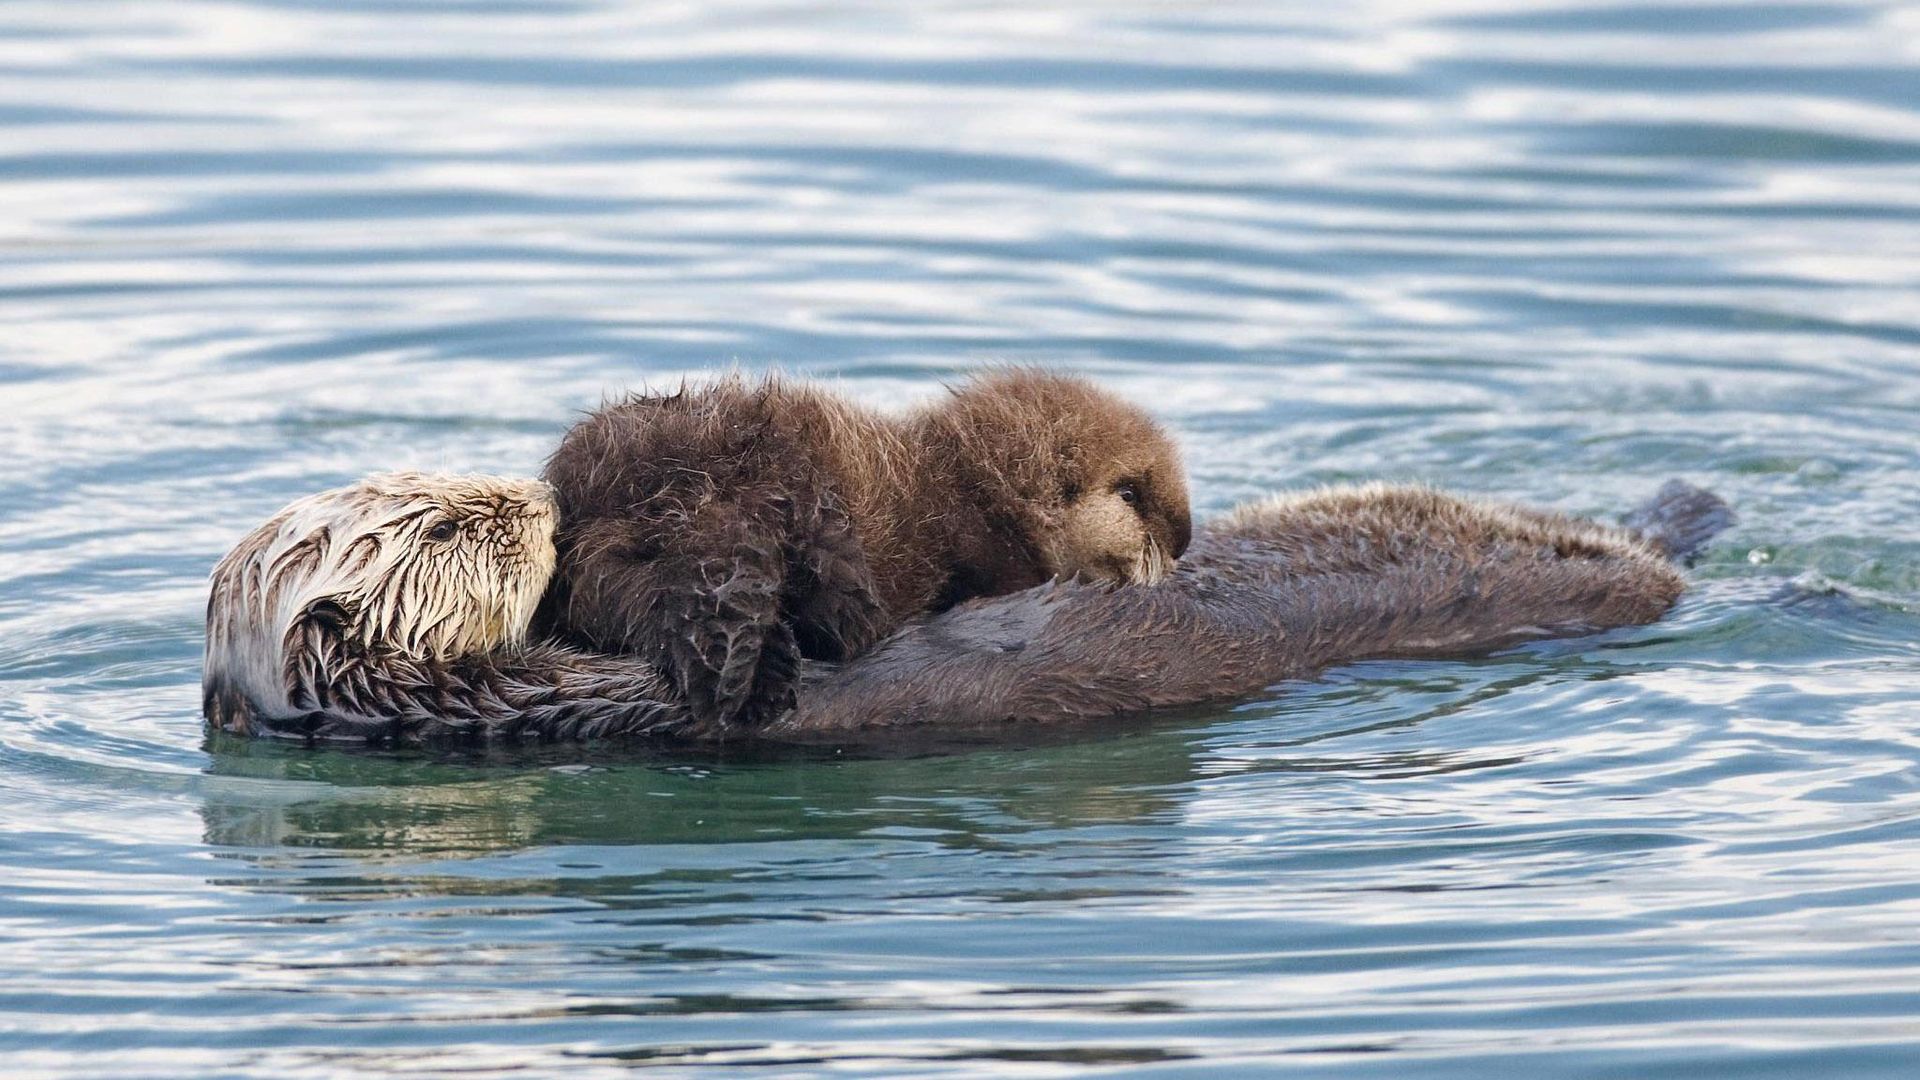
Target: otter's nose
x=540 y=497
x=1182 y=534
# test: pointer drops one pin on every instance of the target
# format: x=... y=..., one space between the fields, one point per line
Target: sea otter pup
x=726 y=532
x=393 y=610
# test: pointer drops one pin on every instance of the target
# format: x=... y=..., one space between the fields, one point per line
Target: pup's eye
x=1129 y=493
x=444 y=531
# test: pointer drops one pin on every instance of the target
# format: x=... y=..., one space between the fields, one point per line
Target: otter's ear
x=329 y=614
x=314 y=650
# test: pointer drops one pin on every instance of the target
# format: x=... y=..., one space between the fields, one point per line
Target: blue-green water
x=255 y=248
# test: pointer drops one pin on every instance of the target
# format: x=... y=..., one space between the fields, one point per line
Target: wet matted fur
x=402 y=603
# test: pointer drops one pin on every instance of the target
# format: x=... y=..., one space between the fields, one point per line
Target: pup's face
x=420 y=565
x=1123 y=514
x=1100 y=483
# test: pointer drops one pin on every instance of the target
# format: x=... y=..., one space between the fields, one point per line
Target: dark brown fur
x=724 y=533
x=1273 y=592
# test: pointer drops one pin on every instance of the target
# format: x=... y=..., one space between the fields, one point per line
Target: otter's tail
x=1680 y=519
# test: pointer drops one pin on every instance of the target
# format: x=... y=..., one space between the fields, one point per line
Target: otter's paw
x=839 y=624
x=733 y=660
x=833 y=601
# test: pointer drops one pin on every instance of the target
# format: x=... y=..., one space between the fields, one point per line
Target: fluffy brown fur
x=726 y=532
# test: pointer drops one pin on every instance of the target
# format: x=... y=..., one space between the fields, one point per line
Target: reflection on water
x=258 y=247
x=514 y=798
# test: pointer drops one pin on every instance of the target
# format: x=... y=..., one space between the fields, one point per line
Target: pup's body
x=725 y=533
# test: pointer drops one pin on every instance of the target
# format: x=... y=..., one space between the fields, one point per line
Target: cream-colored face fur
x=419 y=565
x=1123 y=518
x=1102 y=537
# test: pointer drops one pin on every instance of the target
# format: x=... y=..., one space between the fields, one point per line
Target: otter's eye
x=1128 y=491
x=444 y=531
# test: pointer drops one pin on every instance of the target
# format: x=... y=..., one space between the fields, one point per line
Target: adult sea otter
x=396 y=609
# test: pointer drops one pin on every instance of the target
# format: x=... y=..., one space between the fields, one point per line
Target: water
x=256 y=248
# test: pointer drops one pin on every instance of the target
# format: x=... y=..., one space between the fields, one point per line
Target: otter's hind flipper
x=1680 y=519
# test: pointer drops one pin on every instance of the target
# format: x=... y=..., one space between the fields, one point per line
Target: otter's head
x=410 y=565
x=1098 y=482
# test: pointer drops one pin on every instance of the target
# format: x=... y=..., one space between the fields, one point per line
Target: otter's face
x=453 y=565
x=1124 y=520
x=424 y=566
x=1096 y=485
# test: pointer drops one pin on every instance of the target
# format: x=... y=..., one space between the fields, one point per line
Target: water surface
x=255 y=248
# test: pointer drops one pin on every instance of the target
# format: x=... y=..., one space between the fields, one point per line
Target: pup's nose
x=1182 y=534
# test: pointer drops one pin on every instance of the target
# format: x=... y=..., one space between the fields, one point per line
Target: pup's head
x=1099 y=480
x=414 y=565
